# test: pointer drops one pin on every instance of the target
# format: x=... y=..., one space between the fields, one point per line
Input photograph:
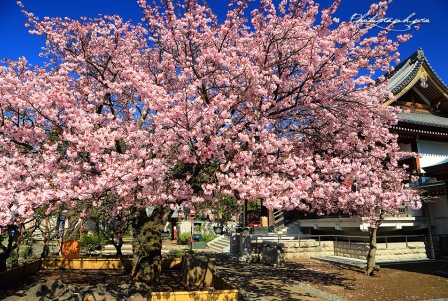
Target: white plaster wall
x=185 y=226
x=439 y=216
x=432 y=152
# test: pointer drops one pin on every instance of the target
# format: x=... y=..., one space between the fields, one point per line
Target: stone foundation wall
x=389 y=251
x=274 y=252
x=305 y=249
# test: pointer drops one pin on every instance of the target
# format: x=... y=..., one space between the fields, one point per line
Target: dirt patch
x=410 y=281
x=413 y=281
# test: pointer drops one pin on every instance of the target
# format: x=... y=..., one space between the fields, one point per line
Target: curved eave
x=404 y=77
x=436 y=76
x=407 y=75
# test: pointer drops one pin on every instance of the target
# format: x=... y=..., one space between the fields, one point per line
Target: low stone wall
x=220 y=283
x=198 y=271
x=305 y=249
x=356 y=250
x=30 y=268
x=21 y=271
x=87 y=264
x=276 y=252
x=102 y=264
x=389 y=251
x=222 y=295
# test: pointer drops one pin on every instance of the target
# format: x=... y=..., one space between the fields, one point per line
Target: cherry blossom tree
x=278 y=103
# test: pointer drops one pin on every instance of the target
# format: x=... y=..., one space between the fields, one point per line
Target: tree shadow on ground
x=433 y=267
x=63 y=284
x=281 y=283
x=318 y=274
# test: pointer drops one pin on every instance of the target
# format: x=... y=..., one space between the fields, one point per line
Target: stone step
x=220 y=244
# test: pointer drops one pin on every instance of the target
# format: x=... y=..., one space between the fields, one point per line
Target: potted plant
x=197 y=234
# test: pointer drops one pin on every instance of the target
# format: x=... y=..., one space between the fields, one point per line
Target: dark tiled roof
x=428 y=119
x=433 y=185
x=406 y=71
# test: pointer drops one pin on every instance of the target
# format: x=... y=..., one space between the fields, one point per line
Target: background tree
x=19 y=239
x=277 y=104
x=112 y=224
x=9 y=242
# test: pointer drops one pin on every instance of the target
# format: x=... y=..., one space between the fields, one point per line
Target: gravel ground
x=307 y=280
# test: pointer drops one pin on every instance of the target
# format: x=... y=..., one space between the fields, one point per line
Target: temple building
x=423 y=129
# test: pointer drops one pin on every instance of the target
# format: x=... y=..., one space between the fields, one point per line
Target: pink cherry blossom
x=278 y=104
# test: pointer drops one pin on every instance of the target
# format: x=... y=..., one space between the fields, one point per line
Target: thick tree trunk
x=72 y=232
x=372 y=268
x=118 y=246
x=147 y=246
x=3 y=257
x=45 y=249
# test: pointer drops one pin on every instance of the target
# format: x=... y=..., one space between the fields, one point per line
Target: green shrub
x=181 y=252
x=184 y=238
x=12 y=261
x=28 y=252
x=90 y=242
x=207 y=237
x=197 y=228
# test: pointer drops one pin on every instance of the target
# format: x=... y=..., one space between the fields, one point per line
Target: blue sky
x=15 y=40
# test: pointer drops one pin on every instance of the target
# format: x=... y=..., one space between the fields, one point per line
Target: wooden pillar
x=271 y=220
x=244 y=219
x=414 y=148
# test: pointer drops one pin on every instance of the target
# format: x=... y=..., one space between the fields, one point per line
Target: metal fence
x=340 y=238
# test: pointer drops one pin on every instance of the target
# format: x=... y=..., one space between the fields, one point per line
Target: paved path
x=258 y=282
x=362 y=262
x=261 y=283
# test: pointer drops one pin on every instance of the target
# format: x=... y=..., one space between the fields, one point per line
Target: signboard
x=70 y=249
